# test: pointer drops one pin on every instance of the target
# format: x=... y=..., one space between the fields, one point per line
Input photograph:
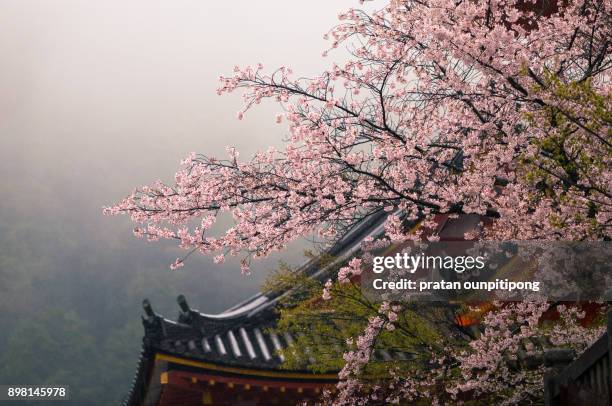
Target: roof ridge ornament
x=182 y=302
x=152 y=322
x=186 y=313
x=148 y=309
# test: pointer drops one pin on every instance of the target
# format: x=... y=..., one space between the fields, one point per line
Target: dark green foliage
x=321 y=327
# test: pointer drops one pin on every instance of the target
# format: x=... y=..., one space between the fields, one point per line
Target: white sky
x=97 y=97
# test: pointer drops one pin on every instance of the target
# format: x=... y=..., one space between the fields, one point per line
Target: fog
x=98 y=97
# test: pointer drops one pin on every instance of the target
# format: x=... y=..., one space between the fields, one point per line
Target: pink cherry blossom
x=441 y=108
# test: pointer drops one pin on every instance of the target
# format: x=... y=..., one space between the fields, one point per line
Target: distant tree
x=54 y=347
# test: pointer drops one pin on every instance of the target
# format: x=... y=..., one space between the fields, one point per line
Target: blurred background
x=96 y=98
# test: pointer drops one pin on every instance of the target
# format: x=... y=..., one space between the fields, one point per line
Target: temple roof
x=238 y=337
x=239 y=334
x=242 y=336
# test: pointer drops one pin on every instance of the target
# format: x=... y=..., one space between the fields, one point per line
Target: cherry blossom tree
x=441 y=104
x=487 y=369
x=500 y=108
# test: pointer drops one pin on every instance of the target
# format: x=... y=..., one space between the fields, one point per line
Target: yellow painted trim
x=241 y=371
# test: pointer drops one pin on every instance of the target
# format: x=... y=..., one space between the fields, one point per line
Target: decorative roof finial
x=182 y=301
x=146 y=305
